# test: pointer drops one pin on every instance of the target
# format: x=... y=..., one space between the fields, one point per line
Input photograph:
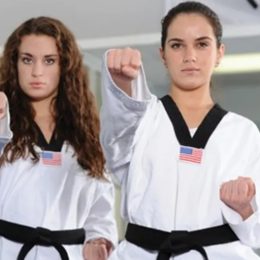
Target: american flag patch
x=190 y=154
x=51 y=158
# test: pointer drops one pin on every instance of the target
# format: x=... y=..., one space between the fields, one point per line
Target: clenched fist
x=124 y=66
x=3 y=102
x=98 y=249
x=237 y=194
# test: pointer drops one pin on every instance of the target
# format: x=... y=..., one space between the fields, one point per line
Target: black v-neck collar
x=205 y=129
x=55 y=143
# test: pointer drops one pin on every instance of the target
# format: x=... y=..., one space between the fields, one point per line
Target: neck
x=43 y=114
x=42 y=108
x=199 y=98
x=44 y=118
x=193 y=104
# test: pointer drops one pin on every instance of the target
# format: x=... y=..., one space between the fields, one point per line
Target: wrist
x=246 y=212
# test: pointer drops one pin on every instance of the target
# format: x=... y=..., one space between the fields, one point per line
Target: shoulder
x=239 y=119
x=241 y=127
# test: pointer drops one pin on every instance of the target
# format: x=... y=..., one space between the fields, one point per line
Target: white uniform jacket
x=56 y=194
x=163 y=190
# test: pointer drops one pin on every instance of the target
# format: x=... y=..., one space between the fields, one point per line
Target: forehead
x=38 y=45
x=190 y=25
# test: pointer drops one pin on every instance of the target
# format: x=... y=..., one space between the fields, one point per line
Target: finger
x=86 y=251
x=136 y=59
x=90 y=251
x=239 y=190
x=3 y=101
x=110 y=59
x=103 y=254
x=126 y=57
x=95 y=251
x=251 y=189
x=224 y=194
x=2 y=113
x=242 y=188
x=222 y=190
x=118 y=61
x=227 y=192
x=130 y=72
x=230 y=190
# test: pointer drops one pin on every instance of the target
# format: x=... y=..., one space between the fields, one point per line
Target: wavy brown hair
x=75 y=112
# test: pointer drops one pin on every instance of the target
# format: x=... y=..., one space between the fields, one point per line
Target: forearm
x=123 y=84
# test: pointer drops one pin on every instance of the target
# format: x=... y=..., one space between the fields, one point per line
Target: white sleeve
x=100 y=222
x=248 y=231
x=120 y=117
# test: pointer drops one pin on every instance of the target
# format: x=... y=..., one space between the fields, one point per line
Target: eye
x=49 y=61
x=26 y=60
x=203 y=45
x=175 y=45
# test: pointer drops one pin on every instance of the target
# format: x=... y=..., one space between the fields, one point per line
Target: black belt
x=31 y=237
x=178 y=242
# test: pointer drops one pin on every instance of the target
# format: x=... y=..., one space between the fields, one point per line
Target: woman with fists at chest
x=188 y=169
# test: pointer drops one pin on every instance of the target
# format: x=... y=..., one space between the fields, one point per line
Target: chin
x=190 y=85
x=190 y=88
x=36 y=98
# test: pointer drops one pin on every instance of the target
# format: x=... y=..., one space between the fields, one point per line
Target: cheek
x=54 y=75
x=55 y=78
x=174 y=63
x=22 y=74
x=210 y=59
x=174 y=67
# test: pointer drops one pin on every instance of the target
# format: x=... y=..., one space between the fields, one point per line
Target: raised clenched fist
x=124 y=66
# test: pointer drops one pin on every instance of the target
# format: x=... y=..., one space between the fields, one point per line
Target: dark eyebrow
x=198 y=39
x=26 y=54
x=46 y=56
x=204 y=38
x=51 y=56
x=175 y=40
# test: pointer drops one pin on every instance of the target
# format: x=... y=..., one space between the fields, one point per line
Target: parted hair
x=192 y=7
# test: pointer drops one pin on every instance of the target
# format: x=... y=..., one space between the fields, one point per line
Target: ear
x=162 y=54
x=220 y=54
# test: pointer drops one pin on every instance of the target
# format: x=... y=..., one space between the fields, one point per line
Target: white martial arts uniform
x=163 y=192
x=55 y=197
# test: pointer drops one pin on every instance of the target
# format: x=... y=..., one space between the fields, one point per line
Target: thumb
x=130 y=72
x=251 y=189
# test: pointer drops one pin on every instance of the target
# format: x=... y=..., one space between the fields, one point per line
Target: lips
x=190 y=69
x=37 y=84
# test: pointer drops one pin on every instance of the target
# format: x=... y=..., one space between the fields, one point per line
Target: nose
x=189 y=55
x=37 y=69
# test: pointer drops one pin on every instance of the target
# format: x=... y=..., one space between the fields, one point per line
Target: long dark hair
x=75 y=112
